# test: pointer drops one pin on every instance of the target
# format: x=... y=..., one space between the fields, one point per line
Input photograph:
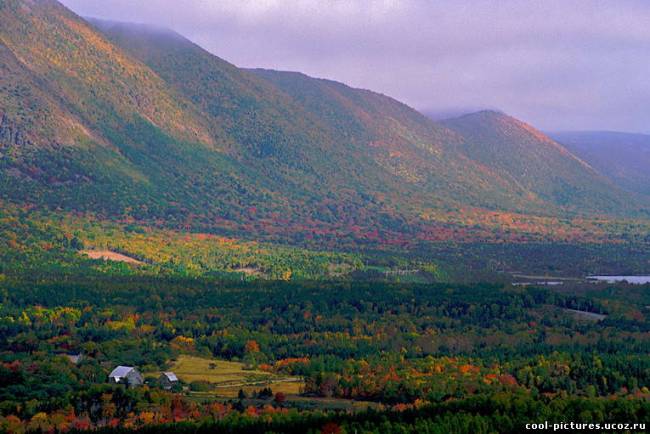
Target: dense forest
x=323 y=341
x=429 y=355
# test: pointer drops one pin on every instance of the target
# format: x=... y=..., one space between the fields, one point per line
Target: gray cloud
x=559 y=64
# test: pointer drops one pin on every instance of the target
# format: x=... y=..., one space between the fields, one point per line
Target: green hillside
x=128 y=121
x=532 y=160
x=422 y=155
x=90 y=128
x=312 y=134
x=375 y=142
x=275 y=140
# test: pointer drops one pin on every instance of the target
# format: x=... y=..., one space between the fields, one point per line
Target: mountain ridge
x=145 y=124
x=543 y=166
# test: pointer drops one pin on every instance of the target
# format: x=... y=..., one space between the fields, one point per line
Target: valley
x=190 y=246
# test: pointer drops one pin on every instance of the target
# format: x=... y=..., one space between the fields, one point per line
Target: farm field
x=227 y=378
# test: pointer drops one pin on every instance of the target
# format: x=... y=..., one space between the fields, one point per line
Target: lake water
x=637 y=280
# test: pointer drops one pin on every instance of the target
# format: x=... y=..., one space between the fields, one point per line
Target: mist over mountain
x=539 y=61
x=623 y=157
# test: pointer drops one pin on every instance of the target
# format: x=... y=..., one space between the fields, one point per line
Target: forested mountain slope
x=355 y=139
x=529 y=158
x=87 y=127
x=306 y=130
x=130 y=121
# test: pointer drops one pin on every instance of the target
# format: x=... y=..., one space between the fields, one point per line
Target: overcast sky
x=559 y=64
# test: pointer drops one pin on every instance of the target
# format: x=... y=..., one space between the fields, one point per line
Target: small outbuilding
x=168 y=380
x=126 y=375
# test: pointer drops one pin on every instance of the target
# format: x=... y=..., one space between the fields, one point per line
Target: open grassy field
x=227 y=378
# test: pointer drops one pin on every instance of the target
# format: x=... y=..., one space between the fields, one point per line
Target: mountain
x=374 y=141
x=134 y=122
x=312 y=134
x=279 y=144
x=527 y=157
x=507 y=162
x=87 y=127
x=321 y=121
x=622 y=157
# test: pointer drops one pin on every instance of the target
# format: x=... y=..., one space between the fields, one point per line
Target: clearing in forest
x=227 y=378
x=108 y=255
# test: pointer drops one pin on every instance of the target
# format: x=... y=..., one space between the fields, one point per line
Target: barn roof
x=121 y=371
x=170 y=376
